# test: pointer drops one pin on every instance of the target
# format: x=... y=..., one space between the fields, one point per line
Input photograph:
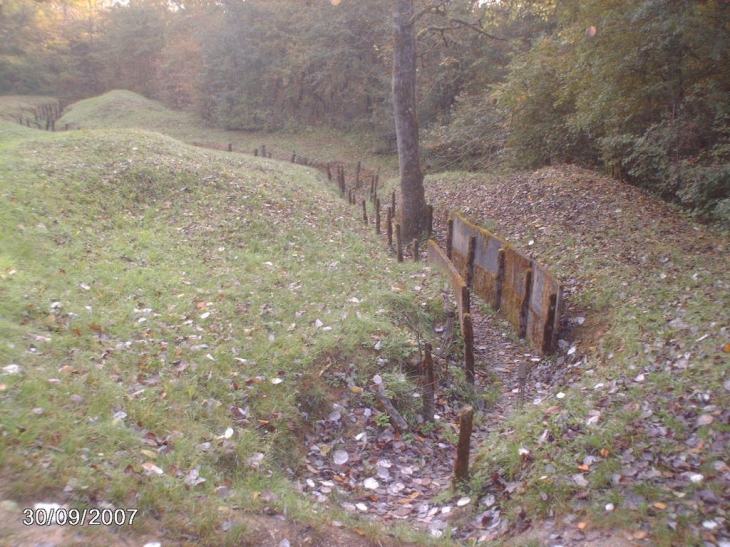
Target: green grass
x=148 y=289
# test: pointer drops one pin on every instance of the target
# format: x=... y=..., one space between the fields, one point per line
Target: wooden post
x=357 y=174
x=525 y=307
x=294 y=157
x=429 y=220
x=470 y=254
x=263 y=150
x=364 y=212
x=461 y=465
x=377 y=216
x=549 y=329
x=449 y=237
x=429 y=385
x=397 y=420
x=500 y=280
x=256 y=152
x=230 y=147
x=389 y=226
x=468 y=335
x=392 y=203
x=329 y=172
x=398 y=242
x=415 y=250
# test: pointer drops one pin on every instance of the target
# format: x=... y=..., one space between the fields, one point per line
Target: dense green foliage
x=638 y=88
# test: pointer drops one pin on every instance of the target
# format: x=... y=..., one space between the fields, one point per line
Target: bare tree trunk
x=412 y=210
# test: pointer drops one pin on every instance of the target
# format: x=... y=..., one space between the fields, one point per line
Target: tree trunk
x=412 y=207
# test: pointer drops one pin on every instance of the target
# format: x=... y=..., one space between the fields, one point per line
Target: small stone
x=10 y=505
x=705 y=419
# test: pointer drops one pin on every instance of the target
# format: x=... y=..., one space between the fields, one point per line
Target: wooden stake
x=525 y=308
x=429 y=384
x=389 y=226
x=398 y=242
x=377 y=216
x=461 y=465
x=429 y=219
x=549 y=329
x=364 y=212
x=468 y=335
x=449 y=237
x=500 y=280
x=396 y=420
x=415 y=250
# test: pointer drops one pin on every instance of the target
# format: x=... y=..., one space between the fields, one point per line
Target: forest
x=637 y=89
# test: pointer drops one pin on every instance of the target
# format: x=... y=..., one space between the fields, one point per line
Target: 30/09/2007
x=79 y=517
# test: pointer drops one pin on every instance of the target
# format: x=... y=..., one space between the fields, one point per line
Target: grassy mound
x=164 y=312
x=123 y=109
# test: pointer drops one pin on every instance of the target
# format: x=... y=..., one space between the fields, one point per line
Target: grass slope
x=164 y=314
x=125 y=109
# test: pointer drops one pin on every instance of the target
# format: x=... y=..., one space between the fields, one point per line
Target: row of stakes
x=466 y=415
x=391 y=227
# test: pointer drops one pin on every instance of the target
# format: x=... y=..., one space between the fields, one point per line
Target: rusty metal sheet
x=539 y=316
x=438 y=257
x=541 y=319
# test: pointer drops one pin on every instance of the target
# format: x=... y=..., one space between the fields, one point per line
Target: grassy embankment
x=165 y=313
x=630 y=429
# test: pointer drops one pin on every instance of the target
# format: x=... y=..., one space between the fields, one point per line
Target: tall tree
x=412 y=209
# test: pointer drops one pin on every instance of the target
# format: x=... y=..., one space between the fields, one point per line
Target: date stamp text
x=60 y=516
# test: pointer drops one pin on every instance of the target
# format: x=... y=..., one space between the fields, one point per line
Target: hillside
x=174 y=314
x=629 y=427
x=166 y=312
